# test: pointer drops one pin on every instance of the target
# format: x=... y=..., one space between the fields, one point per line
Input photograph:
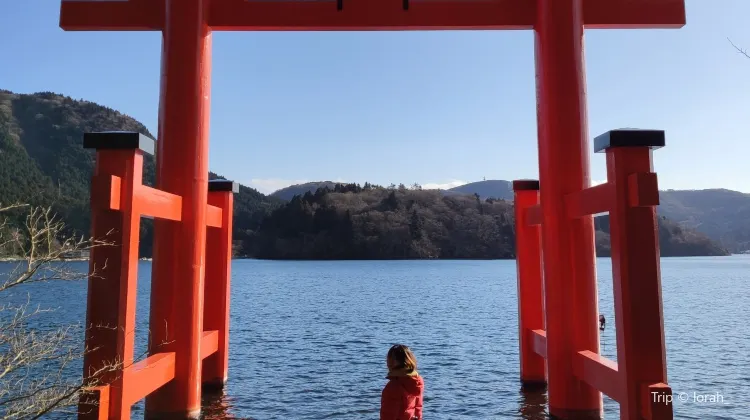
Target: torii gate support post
x=570 y=297
x=182 y=168
x=217 y=283
x=636 y=274
x=529 y=283
x=112 y=284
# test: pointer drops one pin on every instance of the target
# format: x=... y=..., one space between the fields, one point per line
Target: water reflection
x=216 y=405
x=533 y=404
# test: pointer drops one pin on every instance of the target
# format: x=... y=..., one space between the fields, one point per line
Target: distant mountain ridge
x=287 y=193
x=723 y=215
x=491 y=188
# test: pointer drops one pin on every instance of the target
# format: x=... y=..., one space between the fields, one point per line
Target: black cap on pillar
x=110 y=140
x=526 y=185
x=223 y=185
x=629 y=137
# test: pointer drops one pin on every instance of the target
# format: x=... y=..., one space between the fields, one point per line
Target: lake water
x=308 y=339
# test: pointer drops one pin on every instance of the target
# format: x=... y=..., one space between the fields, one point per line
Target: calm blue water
x=308 y=339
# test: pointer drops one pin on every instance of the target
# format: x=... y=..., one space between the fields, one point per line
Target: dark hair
x=402 y=357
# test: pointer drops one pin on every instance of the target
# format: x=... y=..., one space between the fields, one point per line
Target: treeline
x=674 y=240
x=373 y=222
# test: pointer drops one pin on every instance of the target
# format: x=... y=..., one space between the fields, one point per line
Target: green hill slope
x=42 y=161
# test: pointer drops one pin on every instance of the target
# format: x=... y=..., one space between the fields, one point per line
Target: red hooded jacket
x=402 y=396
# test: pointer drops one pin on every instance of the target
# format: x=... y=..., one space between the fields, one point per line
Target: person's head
x=401 y=357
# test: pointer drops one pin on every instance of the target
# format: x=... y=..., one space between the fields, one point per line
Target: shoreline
x=18 y=259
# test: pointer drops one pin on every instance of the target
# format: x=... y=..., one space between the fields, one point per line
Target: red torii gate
x=182 y=158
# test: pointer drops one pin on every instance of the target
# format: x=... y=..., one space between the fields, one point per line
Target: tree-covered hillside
x=42 y=161
x=723 y=215
x=372 y=222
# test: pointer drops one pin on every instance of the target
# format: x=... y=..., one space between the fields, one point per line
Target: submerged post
x=529 y=283
x=110 y=320
x=639 y=320
x=112 y=284
x=568 y=244
x=218 y=280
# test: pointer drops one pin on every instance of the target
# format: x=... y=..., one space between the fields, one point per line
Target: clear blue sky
x=427 y=107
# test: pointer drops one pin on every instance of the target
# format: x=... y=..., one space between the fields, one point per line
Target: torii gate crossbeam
x=182 y=159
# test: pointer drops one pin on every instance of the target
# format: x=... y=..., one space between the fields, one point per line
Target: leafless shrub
x=35 y=359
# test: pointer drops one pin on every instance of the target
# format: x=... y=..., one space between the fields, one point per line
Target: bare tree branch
x=42 y=242
x=35 y=357
x=739 y=50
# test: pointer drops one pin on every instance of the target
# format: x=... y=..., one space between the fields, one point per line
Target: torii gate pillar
x=176 y=317
x=568 y=245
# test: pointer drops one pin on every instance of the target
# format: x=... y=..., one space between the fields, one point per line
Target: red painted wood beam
x=159 y=204
x=643 y=189
x=599 y=372
x=213 y=216
x=302 y=15
x=150 y=201
x=656 y=402
x=539 y=341
x=146 y=376
x=112 y=15
x=95 y=404
x=592 y=200
x=633 y=14
x=534 y=215
x=209 y=343
x=362 y=15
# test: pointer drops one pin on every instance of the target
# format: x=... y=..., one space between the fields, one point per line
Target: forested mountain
x=723 y=215
x=42 y=161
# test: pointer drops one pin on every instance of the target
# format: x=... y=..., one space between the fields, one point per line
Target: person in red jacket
x=402 y=395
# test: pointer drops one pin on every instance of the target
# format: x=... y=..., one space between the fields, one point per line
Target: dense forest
x=42 y=162
x=373 y=222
